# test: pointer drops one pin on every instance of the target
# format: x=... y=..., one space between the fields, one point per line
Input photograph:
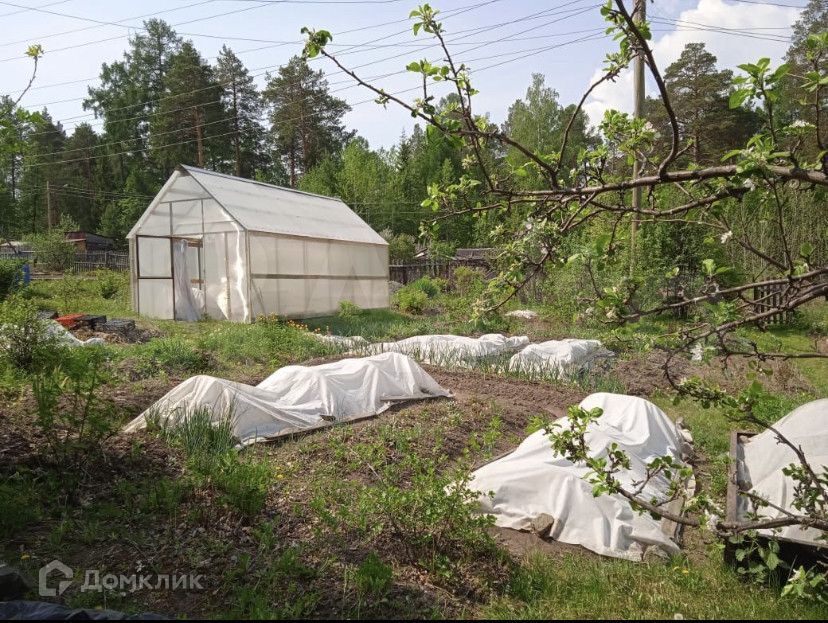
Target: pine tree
x=191 y=112
x=244 y=106
x=129 y=94
x=699 y=95
x=85 y=174
x=306 y=120
x=37 y=208
x=813 y=20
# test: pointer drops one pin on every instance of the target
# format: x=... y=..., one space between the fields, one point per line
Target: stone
x=542 y=524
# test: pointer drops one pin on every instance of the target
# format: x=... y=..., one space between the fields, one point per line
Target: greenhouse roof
x=261 y=207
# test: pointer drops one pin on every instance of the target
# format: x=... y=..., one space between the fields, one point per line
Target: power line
x=99 y=24
x=347 y=51
x=779 y=4
x=350 y=85
x=366 y=101
x=27 y=9
x=474 y=46
x=694 y=26
x=454 y=13
x=72 y=47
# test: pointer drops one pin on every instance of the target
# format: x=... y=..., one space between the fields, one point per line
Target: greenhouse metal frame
x=224 y=247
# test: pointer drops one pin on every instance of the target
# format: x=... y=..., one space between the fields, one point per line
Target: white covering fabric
x=534 y=480
x=764 y=458
x=295 y=398
x=561 y=357
x=186 y=306
x=453 y=349
x=341 y=341
x=524 y=314
x=64 y=337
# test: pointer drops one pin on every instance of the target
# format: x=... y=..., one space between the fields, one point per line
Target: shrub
x=441 y=250
x=430 y=286
x=421 y=505
x=19 y=504
x=110 y=284
x=196 y=433
x=25 y=340
x=468 y=281
x=11 y=275
x=411 y=300
x=401 y=248
x=347 y=309
x=52 y=249
x=71 y=416
x=69 y=289
x=373 y=577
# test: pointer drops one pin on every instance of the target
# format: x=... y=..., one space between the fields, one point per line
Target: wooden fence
x=83 y=262
x=768 y=297
x=444 y=269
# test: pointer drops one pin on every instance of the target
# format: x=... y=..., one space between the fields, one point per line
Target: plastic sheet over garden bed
x=297 y=398
x=454 y=350
x=559 y=357
x=534 y=482
x=758 y=462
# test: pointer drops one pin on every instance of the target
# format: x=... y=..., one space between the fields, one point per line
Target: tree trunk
x=292 y=160
x=199 y=139
x=237 y=134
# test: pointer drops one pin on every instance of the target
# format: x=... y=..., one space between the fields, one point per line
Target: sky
x=503 y=42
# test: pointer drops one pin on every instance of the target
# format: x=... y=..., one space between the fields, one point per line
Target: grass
x=578 y=587
x=353 y=521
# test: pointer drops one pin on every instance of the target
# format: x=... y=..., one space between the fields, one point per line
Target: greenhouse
x=229 y=248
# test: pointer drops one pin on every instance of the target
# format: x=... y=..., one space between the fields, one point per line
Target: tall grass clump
x=174 y=354
x=212 y=460
x=196 y=432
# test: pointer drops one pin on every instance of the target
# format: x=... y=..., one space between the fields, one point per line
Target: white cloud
x=729 y=49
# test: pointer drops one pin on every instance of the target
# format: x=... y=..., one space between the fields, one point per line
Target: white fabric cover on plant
x=295 y=398
x=763 y=459
x=453 y=349
x=561 y=357
x=533 y=480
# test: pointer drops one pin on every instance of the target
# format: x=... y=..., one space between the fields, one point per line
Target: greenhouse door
x=154 y=271
x=187 y=283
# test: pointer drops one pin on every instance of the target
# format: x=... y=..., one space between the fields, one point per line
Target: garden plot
x=559 y=358
x=297 y=398
x=533 y=487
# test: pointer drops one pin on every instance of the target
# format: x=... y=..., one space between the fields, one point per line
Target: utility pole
x=639 y=16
